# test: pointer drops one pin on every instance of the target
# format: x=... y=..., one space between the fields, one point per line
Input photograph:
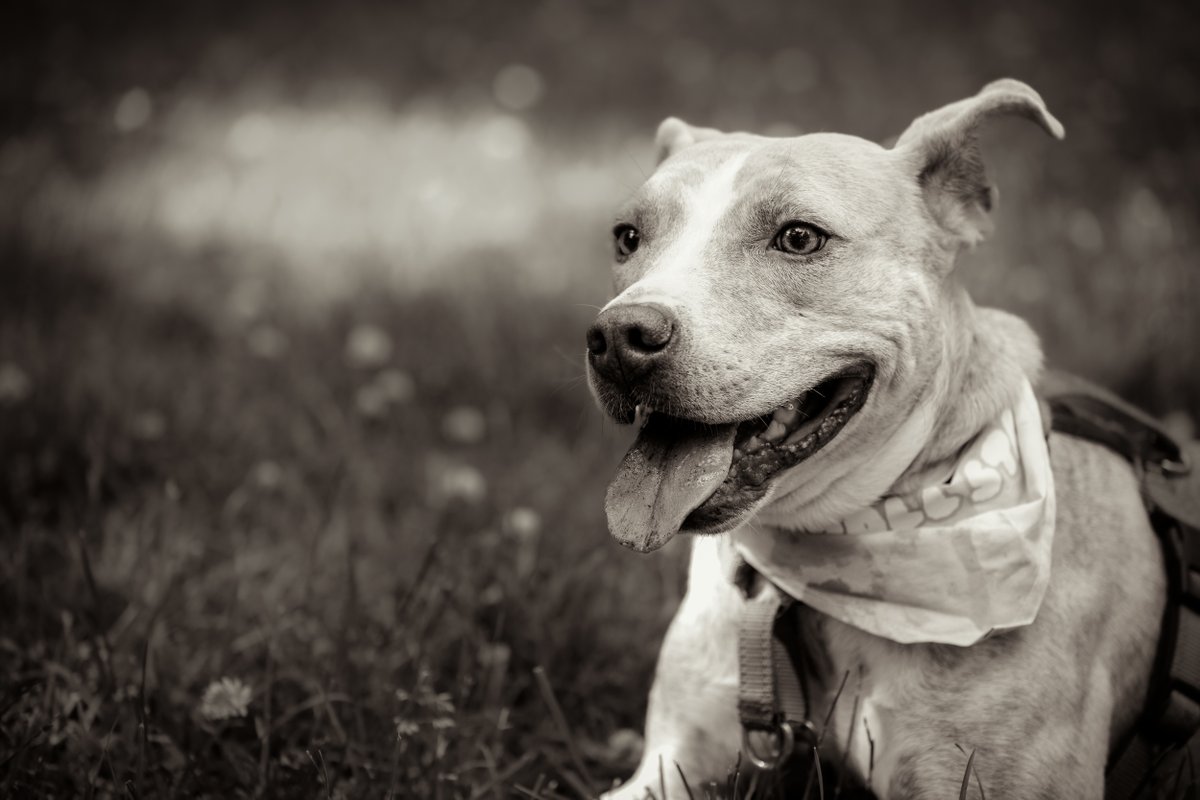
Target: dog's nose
x=626 y=341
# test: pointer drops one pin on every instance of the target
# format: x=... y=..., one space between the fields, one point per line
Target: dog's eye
x=800 y=239
x=627 y=239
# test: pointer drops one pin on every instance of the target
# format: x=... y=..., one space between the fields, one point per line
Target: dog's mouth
x=684 y=475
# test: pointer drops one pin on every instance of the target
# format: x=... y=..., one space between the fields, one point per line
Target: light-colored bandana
x=950 y=562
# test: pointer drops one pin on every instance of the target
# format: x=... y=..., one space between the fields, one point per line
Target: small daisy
x=406 y=728
x=224 y=699
x=368 y=346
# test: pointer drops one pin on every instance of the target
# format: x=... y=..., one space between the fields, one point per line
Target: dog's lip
x=751 y=473
x=639 y=410
x=790 y=421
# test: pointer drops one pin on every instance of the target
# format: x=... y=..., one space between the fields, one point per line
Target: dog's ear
x=674 y=134
x=943 y=150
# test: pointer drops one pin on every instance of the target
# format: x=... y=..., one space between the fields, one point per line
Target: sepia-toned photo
x=597 y=399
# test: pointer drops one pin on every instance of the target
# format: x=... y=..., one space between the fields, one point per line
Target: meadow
x=301 y=488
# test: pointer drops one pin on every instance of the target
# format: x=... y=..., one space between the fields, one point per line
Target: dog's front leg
x=692 y=717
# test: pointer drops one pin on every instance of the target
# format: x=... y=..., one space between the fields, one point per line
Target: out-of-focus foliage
x=403 y=139
x=300 y=478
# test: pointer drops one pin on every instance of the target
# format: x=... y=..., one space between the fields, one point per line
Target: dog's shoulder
x=1100 y=508
x=1107 y=559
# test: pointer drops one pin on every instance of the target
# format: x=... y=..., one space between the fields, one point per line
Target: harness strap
x=1170 y=719
x=772 y=690
x=757 y=706
x=1084 y=409
x=1127 y=777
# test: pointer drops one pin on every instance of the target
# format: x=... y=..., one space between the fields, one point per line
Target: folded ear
x=674 y=134
x=943 y=149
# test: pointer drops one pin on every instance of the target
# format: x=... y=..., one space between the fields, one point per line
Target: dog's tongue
x=671 y=469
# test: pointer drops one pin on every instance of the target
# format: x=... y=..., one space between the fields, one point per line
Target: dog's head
x=779 y=315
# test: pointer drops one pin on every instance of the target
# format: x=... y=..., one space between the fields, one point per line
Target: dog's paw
x=649 y=783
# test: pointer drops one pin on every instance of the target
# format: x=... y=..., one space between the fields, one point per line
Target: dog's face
x=778 y=314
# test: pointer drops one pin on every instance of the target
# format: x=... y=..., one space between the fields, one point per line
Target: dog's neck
x=978 y=361
x=989 y=354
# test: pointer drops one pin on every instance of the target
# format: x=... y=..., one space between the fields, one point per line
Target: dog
x=791 y=334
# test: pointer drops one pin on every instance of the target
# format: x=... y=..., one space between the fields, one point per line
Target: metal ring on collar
x=783 y=742
x=1175 y=466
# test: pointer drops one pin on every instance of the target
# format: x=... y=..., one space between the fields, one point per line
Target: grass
x=197 y=511
x=340 y=452
x=417 y=606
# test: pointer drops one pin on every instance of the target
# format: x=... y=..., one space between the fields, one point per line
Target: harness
x=773 y=695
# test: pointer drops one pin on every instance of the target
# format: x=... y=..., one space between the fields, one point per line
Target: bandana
x=951 y=562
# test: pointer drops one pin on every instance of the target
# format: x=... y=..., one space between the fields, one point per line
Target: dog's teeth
x=752 y=445
x=641 y=413
x=738 y=453
x=803 y=432
x=775 y=431
x=788 y=415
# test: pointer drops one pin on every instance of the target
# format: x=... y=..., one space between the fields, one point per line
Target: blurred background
x=300 y=480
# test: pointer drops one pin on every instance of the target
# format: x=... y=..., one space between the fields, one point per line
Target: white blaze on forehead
x=672 y=276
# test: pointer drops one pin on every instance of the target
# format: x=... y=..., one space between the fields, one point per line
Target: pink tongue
x=671 y=469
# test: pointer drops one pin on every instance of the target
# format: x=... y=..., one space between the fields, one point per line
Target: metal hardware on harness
x=1170 y=466
x=782 y=742
x=772 y=694
x=1170 y=719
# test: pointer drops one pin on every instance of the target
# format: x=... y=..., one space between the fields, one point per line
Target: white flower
x=461 y=483
x=148 y=425
x=389 y=387
x=14 y=384
x=268 y=475
x=495 y=655
x=368 y=346
x=225 y=698
x=464 y=425
x=443 y=703
x=395 y=385
x=523 y=523
x=370 y=402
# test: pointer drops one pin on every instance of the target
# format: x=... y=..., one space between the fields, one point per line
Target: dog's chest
x=881 y=678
